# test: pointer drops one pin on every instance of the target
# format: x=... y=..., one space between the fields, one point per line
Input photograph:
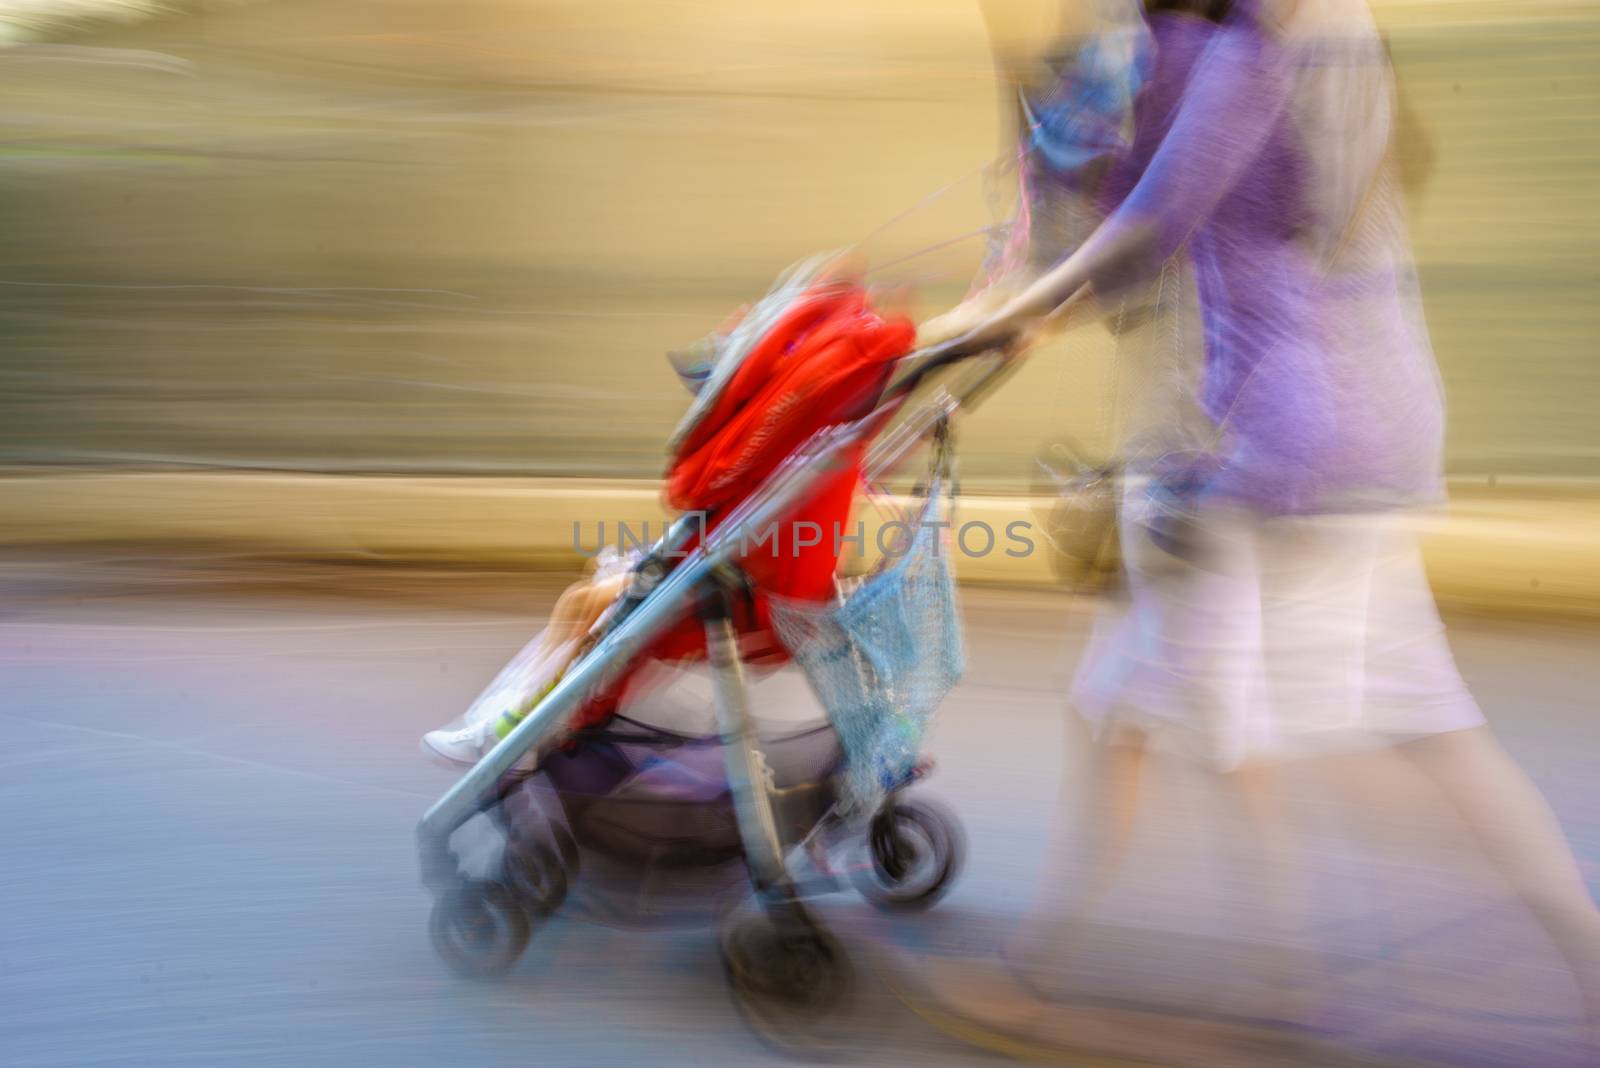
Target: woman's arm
x=1238 y=92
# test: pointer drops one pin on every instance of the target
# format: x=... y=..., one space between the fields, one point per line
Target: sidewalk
x=1522 y=548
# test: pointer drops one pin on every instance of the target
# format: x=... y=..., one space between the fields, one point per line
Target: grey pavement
x=209 y=798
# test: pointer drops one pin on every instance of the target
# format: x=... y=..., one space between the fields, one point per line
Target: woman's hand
x=966 y=316
x=1004 y=331
x=1016 y=326
x=1013 y=313
x=952 y=324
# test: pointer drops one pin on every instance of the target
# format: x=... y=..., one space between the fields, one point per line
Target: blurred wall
x=418 y=236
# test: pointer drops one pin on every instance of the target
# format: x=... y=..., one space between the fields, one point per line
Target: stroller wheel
x=787 y=974
x=479 y=929
x=917 y=849
x=535 y=874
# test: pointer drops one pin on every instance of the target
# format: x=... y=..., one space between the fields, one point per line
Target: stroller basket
x=652 y=796
x=883 y=658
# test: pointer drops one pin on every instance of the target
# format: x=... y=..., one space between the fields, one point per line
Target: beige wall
x=540 y=197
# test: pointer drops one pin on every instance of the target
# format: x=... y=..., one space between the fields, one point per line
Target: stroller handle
x=965 y=391
x=913 y=368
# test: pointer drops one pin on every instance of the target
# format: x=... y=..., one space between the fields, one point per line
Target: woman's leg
x=1519 y=835
x=1263 y=850
x=1107 y=821
x=1415 y=690
x=1096 y=824
x=1095 y=817
x=1097 y=804
x=1185 y=659
x=1267 y=864
x=1095 y=814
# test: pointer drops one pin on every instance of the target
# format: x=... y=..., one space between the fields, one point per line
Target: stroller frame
x=706 y=579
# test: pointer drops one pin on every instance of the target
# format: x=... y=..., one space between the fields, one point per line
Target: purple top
x=1318 y=368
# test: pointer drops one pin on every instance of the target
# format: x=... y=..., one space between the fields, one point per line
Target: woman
x=1277 y=607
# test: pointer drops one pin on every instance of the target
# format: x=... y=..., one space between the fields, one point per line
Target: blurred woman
x=1277 y=605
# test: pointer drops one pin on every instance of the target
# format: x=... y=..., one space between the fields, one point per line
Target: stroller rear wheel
x=479 y=929
x=787 y=973
x=917 y=850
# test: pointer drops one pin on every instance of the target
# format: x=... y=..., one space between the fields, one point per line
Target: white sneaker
x=466 y=745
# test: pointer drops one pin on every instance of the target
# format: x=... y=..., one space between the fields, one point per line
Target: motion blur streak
x=324 y=323
x=413 y=236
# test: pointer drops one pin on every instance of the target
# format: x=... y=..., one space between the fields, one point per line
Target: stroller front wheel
x=479 y=929
x=537 y=876
x=916 y=849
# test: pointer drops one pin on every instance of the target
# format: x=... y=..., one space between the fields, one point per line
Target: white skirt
x=1269 y=639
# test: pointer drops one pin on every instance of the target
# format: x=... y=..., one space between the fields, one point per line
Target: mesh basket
x=882 y=659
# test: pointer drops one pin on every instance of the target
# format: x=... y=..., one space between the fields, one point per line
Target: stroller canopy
x=823 y=361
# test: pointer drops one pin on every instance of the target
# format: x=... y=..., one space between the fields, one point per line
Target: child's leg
x=575 y=613
x=578 y=607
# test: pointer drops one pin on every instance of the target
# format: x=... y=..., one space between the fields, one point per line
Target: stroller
x=810 y=393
